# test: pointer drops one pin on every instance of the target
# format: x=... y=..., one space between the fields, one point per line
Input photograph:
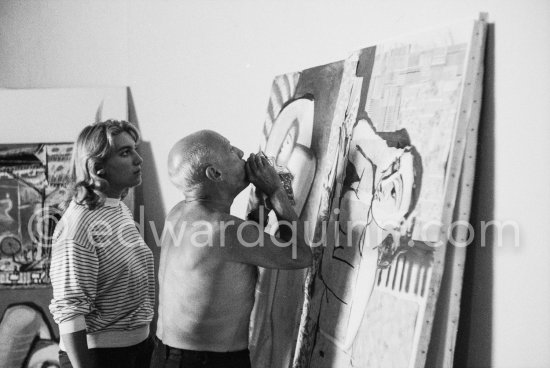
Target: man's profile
x=209 y=258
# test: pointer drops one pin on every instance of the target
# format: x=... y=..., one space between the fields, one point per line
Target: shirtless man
x=209 y=259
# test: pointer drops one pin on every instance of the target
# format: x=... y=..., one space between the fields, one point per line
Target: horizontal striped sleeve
x=73 y=272
x=72 y=325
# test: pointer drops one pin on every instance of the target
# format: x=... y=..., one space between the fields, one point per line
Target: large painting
x=33 y=187
x=378 y=186
x=296 y=136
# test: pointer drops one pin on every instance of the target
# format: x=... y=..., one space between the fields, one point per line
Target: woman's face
x=123 y=166
x=393 y=193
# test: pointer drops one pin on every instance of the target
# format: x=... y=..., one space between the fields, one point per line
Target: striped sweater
x=102 y=275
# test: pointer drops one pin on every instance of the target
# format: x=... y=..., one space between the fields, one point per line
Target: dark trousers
x=168 y=357
x=136 y=356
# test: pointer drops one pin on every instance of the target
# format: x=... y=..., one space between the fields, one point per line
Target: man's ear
x=213 y=173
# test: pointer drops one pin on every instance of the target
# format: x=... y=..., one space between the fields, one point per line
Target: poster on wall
x=385 y=181
x=33 y=186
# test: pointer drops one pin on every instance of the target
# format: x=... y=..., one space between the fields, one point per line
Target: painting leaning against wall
x=33 y=187
x=386 y=177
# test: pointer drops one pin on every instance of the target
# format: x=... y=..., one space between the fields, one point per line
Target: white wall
x=63 y=44
x=209 y=64
x=522 y=183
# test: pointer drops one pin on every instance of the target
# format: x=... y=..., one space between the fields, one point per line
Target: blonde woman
x=102 y=271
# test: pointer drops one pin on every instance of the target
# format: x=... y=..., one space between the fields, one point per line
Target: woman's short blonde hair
x=91 y=149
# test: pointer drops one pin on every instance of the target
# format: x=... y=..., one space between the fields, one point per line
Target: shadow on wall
x=149 y=207
x=26 y=338
x=475 y=329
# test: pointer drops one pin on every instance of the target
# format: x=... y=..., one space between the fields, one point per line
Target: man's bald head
x=191 y=155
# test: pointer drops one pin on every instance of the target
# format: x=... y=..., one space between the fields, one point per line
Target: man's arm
x=247 y=242
x=287 y=216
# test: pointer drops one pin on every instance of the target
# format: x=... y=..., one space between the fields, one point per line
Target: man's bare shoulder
x=176 y=211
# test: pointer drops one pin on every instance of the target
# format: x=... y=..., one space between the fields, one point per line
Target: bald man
x=209 y=258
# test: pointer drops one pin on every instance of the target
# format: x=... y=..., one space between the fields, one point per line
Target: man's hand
x=262 y=174
x=256 y=206
x=256 y=199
